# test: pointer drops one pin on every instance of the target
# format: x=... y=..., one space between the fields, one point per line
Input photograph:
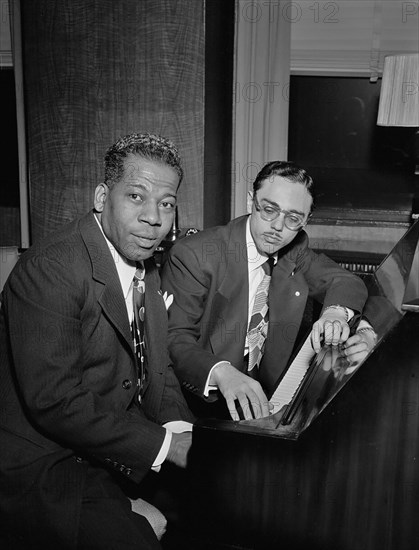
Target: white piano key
x=293 y=377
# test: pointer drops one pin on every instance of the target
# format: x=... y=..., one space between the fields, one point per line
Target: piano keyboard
x=293 y=377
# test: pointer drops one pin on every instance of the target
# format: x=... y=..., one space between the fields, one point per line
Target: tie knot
x=268 y=266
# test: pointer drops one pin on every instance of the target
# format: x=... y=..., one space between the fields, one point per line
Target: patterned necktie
x=258 y=326
x=138 y=291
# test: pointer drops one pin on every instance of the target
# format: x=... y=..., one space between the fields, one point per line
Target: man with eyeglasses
x=216 y=279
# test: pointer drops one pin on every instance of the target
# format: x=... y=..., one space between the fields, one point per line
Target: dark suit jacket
x=208 y=275
x=68 y=378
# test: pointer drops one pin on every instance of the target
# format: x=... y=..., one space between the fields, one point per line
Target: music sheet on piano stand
x=293 y=377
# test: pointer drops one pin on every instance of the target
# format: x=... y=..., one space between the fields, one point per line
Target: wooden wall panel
x=95 y=70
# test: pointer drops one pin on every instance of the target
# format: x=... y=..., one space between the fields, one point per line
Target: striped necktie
x=138 y=292
x=258 y=326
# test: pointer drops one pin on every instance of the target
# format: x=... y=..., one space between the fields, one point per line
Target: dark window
x=333 y=135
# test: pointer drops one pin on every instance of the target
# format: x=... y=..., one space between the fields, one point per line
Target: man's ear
x=249 y=201
x=101 y=194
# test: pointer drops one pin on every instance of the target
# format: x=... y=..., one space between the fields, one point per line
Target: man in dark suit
x=77 y=420
x=214 y=277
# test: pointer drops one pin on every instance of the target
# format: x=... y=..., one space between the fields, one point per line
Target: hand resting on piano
x=332 y=327
x=358 y=346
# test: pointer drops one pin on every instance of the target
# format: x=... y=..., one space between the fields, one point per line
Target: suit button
x=126 y=384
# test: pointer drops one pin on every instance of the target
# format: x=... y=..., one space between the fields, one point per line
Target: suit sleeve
x=185 y=278
x=72 y=391
x=329 y=283
x=174 y=406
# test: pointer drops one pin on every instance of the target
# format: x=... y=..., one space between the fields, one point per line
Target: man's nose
x=279 y=223
x=150 y=213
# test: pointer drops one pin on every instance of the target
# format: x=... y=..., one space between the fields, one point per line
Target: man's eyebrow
x=137 y=185
x=293 y=210
x=168 y=195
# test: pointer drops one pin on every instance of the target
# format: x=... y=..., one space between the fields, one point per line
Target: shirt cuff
x=177 y=427
x=211 y=387
x=164 y=449
x=349 y=312
x=363 y=323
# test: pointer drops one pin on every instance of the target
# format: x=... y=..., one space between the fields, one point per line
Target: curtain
x=261 y=92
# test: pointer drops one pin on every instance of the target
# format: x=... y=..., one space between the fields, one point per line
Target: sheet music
x=293 y=377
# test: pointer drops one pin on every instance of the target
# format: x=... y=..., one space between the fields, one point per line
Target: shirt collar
x=125 y=268
x=254 y=258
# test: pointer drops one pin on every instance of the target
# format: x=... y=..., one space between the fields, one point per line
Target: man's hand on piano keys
x=331 y=329
x=238 y=387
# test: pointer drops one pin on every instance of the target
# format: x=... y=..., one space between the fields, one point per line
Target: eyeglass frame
x=279 y=211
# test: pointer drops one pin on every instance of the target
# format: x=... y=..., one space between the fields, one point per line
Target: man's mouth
x=145 y=242
x=272 y=238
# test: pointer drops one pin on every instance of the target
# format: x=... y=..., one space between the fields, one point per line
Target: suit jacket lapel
x=110 y=295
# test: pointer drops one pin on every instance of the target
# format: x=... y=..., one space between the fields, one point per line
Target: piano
x=337 y=466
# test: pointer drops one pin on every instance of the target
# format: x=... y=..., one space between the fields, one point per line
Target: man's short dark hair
x=287 y=170
x=149 y=146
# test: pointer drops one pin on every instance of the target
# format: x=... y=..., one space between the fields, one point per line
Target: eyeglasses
x=292 y=221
